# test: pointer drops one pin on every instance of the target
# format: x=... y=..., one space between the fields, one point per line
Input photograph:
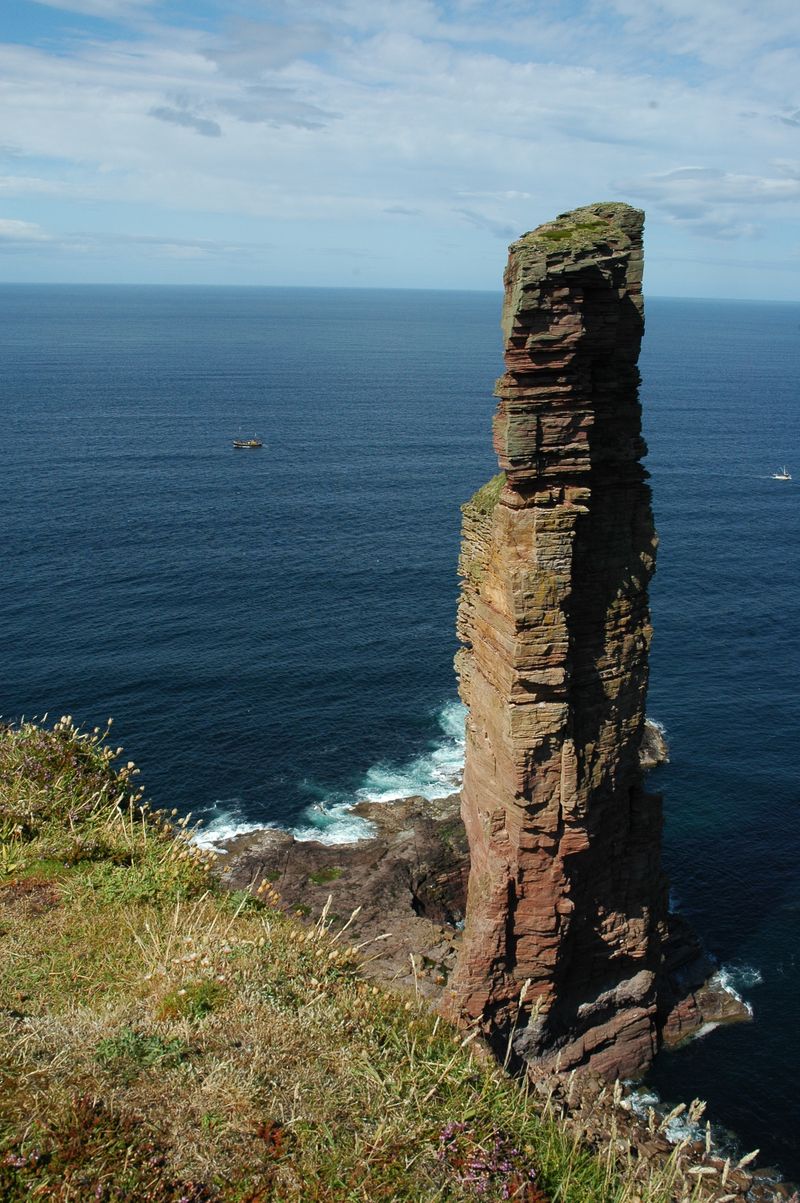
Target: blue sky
x=396 y=143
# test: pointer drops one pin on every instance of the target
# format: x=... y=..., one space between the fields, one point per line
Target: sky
x=395 y=143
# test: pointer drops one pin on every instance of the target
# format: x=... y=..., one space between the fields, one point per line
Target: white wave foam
x=682 y=1128
x=742 y=976
x=641 y=1099
x=333 y=824
x=736 y=977
x=434 y=774
x=221 y=822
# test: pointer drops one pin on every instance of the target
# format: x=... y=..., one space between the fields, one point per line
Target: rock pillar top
x=572 y=324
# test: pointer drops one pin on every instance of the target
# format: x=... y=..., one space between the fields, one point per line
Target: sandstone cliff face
x=566 y=891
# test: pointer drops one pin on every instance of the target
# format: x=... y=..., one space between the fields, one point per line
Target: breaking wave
x=681 y=1125
x=736 y=977
x=433 y=774
x=221 y=821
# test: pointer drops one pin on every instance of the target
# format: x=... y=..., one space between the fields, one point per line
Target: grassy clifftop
x=161 y=1039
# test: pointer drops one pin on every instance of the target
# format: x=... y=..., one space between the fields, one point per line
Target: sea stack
x=567 y=901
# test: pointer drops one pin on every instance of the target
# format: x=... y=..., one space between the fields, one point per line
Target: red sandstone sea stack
x=566 y=891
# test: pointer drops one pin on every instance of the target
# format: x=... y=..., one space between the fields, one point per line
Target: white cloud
x=788 y=167
x=22 y=185
x=252 y=49
x=691 y=184
x=482 y=221
x=477 y=119
x=716 y=203
x=26 y=235
x=114 y=10
x=722 y=33
x=171 y=248
x=509 y=195
x=21 y=233
x=275 y=106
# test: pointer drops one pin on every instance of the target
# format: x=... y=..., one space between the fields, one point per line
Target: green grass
x=488 y=495
x=161 y=1040
x=325 y=875
x=582 y=228
x=128 y=1053
x=573 y=232
x=194 y=1000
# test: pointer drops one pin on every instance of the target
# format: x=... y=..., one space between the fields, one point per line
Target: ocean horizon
x=273 y=631
x=184 y=286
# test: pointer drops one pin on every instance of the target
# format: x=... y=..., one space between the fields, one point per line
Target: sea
x=272 y=630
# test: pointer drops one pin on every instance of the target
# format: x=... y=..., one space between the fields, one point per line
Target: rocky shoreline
x=403 y=894
x=407 y=885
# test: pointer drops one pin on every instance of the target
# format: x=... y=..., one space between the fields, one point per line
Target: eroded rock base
x=409 y=883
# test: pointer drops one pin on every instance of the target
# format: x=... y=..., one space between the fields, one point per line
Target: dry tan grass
x=160 y=1040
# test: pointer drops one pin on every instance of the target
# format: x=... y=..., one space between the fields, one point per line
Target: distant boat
x=240 y=443
x=782 y=475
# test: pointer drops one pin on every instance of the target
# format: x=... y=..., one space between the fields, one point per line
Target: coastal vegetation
x=488 y=495
x=164 y=1039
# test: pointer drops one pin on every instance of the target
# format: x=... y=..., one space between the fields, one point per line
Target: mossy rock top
x=580 y=229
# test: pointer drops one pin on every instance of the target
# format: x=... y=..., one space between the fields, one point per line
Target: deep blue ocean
x=272 y=630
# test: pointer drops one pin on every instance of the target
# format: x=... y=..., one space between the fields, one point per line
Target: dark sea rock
x=408 y=883
x=654 y=749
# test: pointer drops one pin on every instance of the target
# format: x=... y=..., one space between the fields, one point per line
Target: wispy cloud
x=491 y=195
x=25 y=235
x=113 y=10
x=721 y=33
x=481 y=221
x=705 y=184
x=172 y=248
x=251 y=50
x=20 y=233
x=478 y=118
x=200 y=125
x=276 y=106
x=715 y=203
x=24 y=185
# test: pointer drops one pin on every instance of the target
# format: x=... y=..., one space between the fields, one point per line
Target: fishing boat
x=782 y=475
x=239 y=444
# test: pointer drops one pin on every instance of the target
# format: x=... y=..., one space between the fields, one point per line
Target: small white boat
x=239 y=444
x=782 y=475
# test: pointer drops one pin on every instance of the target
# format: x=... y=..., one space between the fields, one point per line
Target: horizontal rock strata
x=567 y=907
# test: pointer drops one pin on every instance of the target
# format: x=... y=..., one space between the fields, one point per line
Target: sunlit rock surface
x=566 y=891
